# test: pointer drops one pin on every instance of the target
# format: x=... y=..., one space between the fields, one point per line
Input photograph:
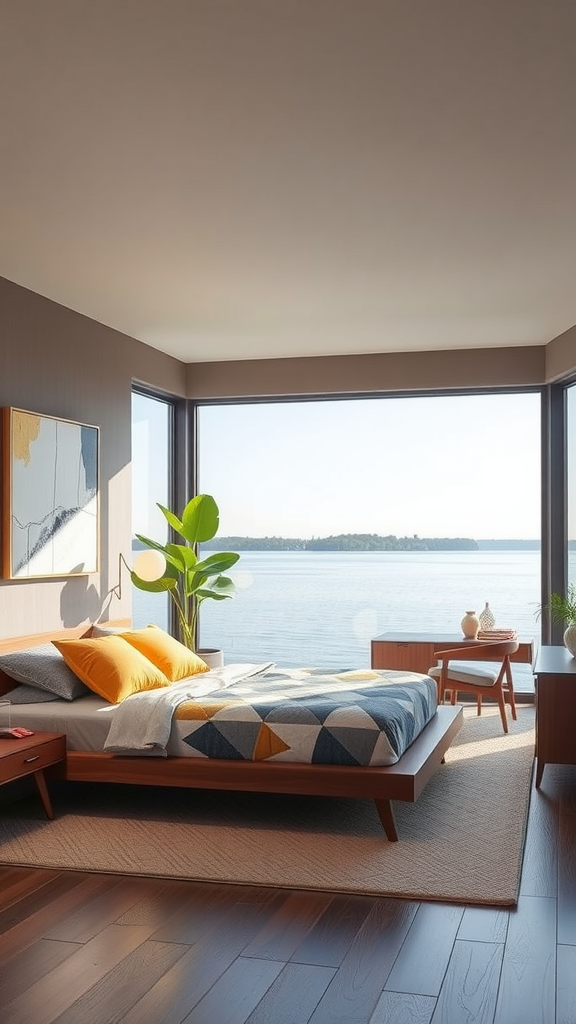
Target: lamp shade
x=149 y=565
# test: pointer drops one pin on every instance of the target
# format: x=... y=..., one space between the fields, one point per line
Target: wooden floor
x=78 y=947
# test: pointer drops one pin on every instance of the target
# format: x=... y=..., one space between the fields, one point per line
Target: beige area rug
x=461 y=842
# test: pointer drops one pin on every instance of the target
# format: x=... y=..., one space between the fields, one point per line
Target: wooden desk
x=414 y=652
x=555 y=672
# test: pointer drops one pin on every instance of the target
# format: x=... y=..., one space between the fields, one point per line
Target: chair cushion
x=480 y=673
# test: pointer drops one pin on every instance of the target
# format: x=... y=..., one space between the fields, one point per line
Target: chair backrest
x=486 y=651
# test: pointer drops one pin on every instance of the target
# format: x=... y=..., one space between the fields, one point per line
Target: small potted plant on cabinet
x=562 y=610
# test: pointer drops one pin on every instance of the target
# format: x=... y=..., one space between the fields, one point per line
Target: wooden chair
x=454 y=675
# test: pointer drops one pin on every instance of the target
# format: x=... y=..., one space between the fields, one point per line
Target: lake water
x=322 y=608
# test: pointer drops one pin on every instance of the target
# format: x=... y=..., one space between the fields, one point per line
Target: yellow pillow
x=111 y=667
x=168 y=654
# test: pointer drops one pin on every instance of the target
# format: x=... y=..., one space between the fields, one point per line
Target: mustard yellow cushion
x=164 y=651
x=111 y=667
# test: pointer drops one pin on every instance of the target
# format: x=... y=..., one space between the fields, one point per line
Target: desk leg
x=539 y=771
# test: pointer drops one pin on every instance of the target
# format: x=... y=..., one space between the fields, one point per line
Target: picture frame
x=50 y=496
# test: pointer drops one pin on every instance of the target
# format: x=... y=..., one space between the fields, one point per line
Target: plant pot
x=570 y=639
x=213 y=656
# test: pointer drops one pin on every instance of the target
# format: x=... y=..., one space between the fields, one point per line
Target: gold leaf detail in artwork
x=25 y=430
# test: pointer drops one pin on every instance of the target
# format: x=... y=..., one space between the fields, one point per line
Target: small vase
x=570 y=639
x=470 y=626
x=486 y=618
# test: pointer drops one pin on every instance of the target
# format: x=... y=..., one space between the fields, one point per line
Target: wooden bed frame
x=402 y=781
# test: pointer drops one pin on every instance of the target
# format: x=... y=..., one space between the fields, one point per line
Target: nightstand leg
x=44 y=794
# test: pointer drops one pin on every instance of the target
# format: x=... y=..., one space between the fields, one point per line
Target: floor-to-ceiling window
x=359 y=516
x=152 y=457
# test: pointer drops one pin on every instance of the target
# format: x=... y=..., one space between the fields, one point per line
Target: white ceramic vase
x=570 y=639
x=486 y=617
x=470 y=626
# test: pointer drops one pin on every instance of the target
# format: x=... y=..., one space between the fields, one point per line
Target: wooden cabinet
x=414 y=652
x=555 y=672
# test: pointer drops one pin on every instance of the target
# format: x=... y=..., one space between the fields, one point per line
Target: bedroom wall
x=401 y=371
x=56 y=362
x=561 y=355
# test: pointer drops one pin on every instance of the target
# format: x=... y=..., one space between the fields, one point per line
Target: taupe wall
x=561 y=355
x=59 y=363
x=404 y=371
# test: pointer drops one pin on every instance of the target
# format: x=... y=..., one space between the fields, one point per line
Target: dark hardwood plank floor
x=100 y=949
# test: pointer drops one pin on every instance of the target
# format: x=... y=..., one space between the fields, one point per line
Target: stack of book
x=497 y=634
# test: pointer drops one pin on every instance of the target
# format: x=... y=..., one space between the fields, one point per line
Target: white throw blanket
x=141 y=724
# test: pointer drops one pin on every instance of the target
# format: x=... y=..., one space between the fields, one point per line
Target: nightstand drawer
x=32 y=759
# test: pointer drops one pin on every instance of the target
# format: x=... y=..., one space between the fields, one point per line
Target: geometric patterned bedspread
x=313 y=716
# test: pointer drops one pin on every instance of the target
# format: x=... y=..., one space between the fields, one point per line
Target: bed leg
x=386 y=815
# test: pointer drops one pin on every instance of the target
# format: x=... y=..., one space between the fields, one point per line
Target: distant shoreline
x=358 y=542
x=363 y=542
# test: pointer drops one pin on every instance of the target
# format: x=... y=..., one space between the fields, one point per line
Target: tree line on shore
x=344 y=542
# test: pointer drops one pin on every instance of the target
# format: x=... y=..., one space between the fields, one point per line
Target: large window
x=152 y=453
x=451 y=482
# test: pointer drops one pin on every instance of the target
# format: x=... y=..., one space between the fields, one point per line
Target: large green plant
x=188 y=579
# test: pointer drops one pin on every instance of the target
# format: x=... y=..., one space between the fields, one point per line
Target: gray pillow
x=27 y=695
x=45 y=668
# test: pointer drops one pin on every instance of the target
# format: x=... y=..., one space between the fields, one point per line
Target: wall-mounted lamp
x=148 y=565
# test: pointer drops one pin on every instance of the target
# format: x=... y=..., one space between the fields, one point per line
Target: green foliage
x=562 y=609
x=189 y=579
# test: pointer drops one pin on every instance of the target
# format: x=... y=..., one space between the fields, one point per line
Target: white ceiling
x=229 y=179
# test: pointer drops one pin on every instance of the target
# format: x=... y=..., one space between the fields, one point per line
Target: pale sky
x=453 y=466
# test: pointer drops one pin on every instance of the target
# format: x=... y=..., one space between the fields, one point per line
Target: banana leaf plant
x=189 y=579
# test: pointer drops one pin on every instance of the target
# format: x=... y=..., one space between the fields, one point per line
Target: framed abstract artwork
x=50 y=501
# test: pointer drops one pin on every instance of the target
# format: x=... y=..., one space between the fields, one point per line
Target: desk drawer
x=403 y=657
x=24 y=762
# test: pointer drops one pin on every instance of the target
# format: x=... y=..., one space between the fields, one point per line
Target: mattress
x=85 y=721
x=359 y=717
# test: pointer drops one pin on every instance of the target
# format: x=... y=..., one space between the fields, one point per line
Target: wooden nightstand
x=30 y=756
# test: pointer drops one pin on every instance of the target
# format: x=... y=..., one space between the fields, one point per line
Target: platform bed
x=404 y=780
